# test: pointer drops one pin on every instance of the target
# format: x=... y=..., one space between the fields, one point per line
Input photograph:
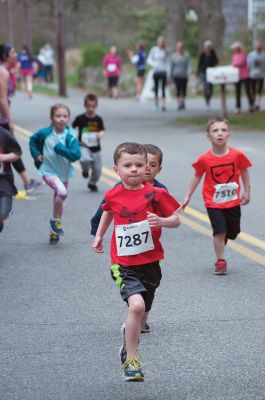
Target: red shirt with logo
x=131 y=206
x=221 y=186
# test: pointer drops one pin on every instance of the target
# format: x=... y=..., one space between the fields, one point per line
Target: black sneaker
x=146 y=328
x=33 y=185
x=54 y=238
x=85 y=174
x=93 y=188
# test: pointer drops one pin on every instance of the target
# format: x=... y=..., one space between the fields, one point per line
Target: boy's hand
x=245 y=198
x=184 y=203
x=39 y=158
x=153 y=220
x=97 y=244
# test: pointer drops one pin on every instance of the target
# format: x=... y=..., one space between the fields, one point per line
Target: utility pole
x=60 y=47
x=9 y=22
x=26 y=5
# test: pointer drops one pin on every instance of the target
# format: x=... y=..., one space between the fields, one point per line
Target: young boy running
x=90 y=131
x=9 y=151
x=135 y=247
x=222 y=166
x=154 y=166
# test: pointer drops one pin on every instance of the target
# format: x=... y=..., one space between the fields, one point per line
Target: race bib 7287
x=133 y=238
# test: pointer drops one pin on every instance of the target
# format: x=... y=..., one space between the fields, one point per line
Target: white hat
x=236 y=45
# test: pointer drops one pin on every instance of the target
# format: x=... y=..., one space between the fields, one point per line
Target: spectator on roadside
x=26 y=70
x=180 y=70
x=112 y=70
x=239 y=60
x=48 y=62
x=207 y=58
x=159 y=60
x=256 y=65
x=40 y=67
x=138 y=59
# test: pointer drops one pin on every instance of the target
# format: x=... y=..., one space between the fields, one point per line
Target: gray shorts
x=5 y=205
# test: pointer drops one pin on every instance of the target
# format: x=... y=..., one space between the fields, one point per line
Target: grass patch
x=242 y=122
x=49 y=91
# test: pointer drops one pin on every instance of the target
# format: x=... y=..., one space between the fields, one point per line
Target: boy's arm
x=105 y=222
x=9 y=157
x=173 y=221
x=194 y=182
x=245 y=198
x=4 y=106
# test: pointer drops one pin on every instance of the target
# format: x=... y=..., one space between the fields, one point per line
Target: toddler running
x=136 y=251
x=222 y=166
x=54 y=149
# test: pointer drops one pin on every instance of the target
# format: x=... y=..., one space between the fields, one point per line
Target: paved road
x=61 y=313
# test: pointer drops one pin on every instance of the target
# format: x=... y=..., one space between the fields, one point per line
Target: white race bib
x=225 y=192
x=134 y=238
x=90 y=139
x=111 y=67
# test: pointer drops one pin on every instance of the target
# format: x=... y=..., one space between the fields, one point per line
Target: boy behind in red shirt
x=136 y=250
x=223 y=167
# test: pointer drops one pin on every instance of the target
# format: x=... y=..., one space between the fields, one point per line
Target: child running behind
x=9 y=151
x=54 y=149
x=154 y=166
x=222 y=166
x=136 y=250
x=90 y=131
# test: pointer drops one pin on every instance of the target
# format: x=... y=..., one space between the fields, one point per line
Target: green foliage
x=93 y=54
x=191 y=37
x=151 y=24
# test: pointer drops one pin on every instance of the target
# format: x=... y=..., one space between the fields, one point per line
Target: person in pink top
x=112 y=69
x=239 y=60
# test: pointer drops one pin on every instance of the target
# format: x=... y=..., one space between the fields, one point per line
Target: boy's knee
x=137 y=307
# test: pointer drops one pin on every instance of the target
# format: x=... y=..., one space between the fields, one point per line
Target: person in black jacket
x=208 y=58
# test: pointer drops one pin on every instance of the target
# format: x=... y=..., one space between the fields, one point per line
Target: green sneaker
x=132 y=370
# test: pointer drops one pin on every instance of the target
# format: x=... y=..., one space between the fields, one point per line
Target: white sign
x=222 y=74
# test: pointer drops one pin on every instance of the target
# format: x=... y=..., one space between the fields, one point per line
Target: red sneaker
x=220 y=267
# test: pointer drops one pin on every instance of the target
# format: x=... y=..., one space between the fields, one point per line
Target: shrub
x=93 y=54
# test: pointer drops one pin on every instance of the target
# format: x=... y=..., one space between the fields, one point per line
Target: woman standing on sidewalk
x=208 y=58
x=180 y=70
x=8 y=59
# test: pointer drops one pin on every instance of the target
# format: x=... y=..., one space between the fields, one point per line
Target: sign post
x=221 y=76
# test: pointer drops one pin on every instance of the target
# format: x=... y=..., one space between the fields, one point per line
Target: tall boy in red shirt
x=136 y=250
x=223 y=166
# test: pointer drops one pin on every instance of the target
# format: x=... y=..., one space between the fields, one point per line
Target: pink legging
x=59 y=187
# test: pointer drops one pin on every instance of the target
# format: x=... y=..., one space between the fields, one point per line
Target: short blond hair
x=214 y=120
x=56 y=106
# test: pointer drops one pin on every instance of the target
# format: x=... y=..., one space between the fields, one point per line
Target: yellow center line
x=111 y=178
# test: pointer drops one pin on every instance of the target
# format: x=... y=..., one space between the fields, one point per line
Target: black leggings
x=160 y=76
x=246 y=83
x=18 y=164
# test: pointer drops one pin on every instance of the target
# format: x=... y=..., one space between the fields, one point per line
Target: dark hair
x=56 y=106
x=214 y=120
x=155 y=150
x=4 y=51
x=90 y=97
x=130 y=148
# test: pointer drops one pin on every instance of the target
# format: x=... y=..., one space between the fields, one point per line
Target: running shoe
x=34 y=184
x=93 y=188
x=146 y=328
x=85 y=174
x=123 y=350
x=21 y=195
x=56 y=226
x=54 y=238
x=132 y=370
x=220 y=267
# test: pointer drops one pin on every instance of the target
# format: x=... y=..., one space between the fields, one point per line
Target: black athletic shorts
x=140 y=73
x=225 y=220
x=5 y=205
x=143 y=279
x=113 y=81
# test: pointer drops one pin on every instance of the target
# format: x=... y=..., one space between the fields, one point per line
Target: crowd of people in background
x=173 y=70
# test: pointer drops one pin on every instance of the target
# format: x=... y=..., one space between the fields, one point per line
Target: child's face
x=91 y=107
x=153 y=167
x=219 y=134
x=131 y=169
x=60 y=119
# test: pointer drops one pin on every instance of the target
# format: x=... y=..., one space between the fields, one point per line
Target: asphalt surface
x=61 y=312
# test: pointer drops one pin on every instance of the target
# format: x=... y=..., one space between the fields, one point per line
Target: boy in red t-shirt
x=223 y=167
x=136 y=251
